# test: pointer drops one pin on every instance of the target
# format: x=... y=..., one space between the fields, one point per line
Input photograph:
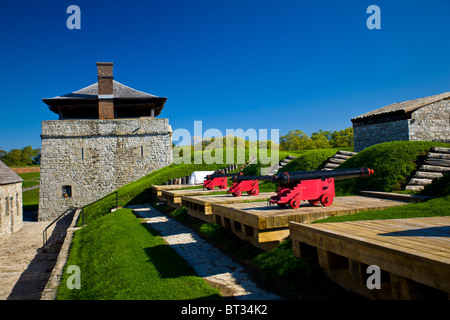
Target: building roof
x=121 y=91
x=122 y=95
x=7 y=176
x=402 y=107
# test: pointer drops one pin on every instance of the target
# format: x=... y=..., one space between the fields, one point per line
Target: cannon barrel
x=288 y=177
x=219 y=175
x=242 y=178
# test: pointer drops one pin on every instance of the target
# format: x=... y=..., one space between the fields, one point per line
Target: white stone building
x=424 y=119
x=11 y=217
x=106 y=136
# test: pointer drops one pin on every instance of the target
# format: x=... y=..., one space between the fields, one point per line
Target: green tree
x=24 y=157
x=321 y=139
x=342 y=138
x=298 y=140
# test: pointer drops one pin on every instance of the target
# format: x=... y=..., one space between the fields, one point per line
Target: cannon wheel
x=223 y=186
x=313 y=202
x=237 y=194
x=326 y=199
x=210 y=188
x=255 y=192
x=294 y=203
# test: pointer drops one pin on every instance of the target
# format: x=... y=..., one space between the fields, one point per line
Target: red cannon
x=249 y=186
x=218 y=179
x=313 y=186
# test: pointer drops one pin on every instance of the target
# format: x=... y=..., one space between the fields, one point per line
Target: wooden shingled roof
x=7 y=176
x=402 y=107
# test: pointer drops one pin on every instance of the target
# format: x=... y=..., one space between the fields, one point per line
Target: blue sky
x=259 y=64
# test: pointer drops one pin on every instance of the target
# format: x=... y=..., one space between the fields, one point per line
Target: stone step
x=438 y=155
x=335 y=160
x=428 y=175
x=440 y=150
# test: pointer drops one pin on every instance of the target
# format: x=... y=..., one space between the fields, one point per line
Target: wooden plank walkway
x=157 y=189
x=200 y=207
x=265 y=226
x=173 y=197
x=413 y=255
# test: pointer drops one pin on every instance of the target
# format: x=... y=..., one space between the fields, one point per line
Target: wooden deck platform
x=157 y=189
x=265 y=226
x=173 y=197
x=200 y=207
x=413 y=255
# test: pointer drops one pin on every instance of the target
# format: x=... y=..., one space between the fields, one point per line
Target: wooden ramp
x=413 y=255
x=265 y=226
x=157 y=189
x=173 y=197
x=200 y=207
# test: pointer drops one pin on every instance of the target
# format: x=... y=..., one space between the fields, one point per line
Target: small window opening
x=67 y=191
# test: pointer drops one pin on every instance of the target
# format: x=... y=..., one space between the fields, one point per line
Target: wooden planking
x=261 y=216
x=415 y=248
x=173 y=197
x=157 y=189
x=200 y=206
x=226 y=198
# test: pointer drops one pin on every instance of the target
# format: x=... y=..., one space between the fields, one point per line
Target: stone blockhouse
x=11 y=218
x=107 y=136
x=424 y=119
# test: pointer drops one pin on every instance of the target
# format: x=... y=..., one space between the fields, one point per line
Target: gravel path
x=208 y=261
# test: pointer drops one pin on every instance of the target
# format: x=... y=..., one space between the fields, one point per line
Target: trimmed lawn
x=122 y=259
x=434 y=207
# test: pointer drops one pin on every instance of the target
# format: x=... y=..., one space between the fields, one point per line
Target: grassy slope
x=393 y=163
x=120 y=258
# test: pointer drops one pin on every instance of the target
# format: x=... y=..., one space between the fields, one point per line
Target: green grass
x=30 y=179
x=279 y=270
x=294 y=278
x=122 y=259
x=393 y=163
x=434 y=207
x=30 y=200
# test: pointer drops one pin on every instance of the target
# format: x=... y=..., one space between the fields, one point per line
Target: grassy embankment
x=294 y=278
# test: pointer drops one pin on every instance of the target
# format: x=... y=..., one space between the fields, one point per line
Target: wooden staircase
x=436 y=164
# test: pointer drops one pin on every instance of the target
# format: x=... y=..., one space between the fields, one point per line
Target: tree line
x=21 y=157
x=298 y=140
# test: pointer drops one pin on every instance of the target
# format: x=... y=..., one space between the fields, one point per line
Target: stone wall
x=428 y=123
x=431 y=122
x=367 y=135
x=84 y=160
x=11 y=218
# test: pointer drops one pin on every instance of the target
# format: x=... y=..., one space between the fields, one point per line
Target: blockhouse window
x=67 y=191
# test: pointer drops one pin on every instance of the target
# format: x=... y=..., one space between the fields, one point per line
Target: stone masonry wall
x=95 y=157
x=11 y=219
x=368 y=135
x=428 y=123
x=431 y=123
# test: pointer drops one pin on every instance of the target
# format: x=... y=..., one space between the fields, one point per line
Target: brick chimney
x=105 y=90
